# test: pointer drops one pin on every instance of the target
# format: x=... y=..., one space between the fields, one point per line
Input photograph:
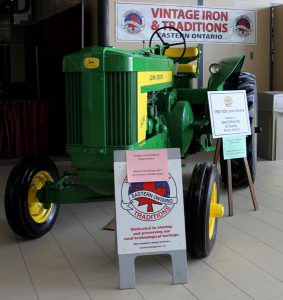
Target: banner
x=198 y=24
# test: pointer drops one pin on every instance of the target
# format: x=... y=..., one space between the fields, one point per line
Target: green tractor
x=130 y=100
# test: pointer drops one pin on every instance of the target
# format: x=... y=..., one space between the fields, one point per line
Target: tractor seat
x=184 y=67
x=191 y=53
x=187 y=68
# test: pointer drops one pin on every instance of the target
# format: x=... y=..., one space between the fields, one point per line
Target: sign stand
x=164 y=234
x=128 y=273
x=229 y=174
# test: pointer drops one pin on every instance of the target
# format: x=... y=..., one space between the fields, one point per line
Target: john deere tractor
x=129 y=100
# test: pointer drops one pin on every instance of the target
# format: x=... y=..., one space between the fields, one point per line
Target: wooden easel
x=229 y=174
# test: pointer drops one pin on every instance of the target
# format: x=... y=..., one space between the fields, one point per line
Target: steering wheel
x=168 y=45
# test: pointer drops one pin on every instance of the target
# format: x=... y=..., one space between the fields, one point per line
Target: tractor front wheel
x=25 y=214
x=203 y=209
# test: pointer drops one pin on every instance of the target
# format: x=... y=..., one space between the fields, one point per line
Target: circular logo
x=228 y=101
x=133 y=21
x=243 y=26
x=149 y=201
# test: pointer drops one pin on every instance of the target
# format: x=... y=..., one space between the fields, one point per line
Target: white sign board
x=228 y=113
x=198 y=24
x=149 y=215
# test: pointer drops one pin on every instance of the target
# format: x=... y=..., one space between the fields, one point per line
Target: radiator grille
x=121 y=99
x=74 y=108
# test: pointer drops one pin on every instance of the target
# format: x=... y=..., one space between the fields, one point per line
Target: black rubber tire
x=16 y=197
x=197 y=209
x=243 y=81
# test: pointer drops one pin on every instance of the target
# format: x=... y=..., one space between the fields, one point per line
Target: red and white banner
x=198 y=24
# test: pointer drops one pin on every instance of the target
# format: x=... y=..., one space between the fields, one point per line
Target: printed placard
x=234 y=147
x=147 y=165
x=198 y=24
x=229 y=113
x=149 y=215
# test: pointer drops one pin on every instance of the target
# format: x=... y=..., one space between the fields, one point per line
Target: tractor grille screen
x=73 y=106
x=121 y=99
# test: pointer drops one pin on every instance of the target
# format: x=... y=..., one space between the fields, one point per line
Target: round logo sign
x=243 y=26
x=228 y=101
x=133 y=22
x=149 y=201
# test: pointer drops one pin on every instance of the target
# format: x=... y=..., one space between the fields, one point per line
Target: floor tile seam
x=270 y=195
x=223 y=259
x=27 y=269
x=230 y=281
x=188 y=289
x=227 y=279
x=186 y=285
x=269 y=224
x=259 y=240
x=154 y=257
x=252 y=215
x=245 y=258
x=106 y=212
x=73 y=270
x=97 y=242
x=269 y=207
x=139 y=292
x=248 y=234
x=269 y=163
x=29 y=261
x=270 y=192
x=227 y=298
x=267 y=179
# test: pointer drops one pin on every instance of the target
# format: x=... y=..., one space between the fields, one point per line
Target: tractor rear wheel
x=25 y=214
x=203 y=209
x=243 y=81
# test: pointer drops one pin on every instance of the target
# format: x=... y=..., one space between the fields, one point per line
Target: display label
x=229 y=113
x=150 y=215
x=147 y=165
x=234 y=147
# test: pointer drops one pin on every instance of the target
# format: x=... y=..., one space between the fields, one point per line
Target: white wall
x=278 y=49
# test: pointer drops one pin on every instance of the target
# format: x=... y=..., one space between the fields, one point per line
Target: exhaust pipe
x=103 y=22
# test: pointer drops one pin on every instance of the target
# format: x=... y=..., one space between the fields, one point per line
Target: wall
x=257 y=56
x=47 y=8
x=278 y=49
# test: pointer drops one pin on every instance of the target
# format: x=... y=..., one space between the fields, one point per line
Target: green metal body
x=105 y=92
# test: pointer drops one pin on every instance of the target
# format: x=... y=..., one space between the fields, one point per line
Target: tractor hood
x=110 y=59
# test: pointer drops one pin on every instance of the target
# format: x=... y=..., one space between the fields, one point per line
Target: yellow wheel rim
x=36 y=209
x=213 y=202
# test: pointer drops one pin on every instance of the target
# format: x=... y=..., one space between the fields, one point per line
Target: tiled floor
x=76 y=260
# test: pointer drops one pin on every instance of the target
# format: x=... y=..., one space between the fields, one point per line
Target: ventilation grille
x=73 y=106
x=121 y=108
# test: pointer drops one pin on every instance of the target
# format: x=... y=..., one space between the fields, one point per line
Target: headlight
x=214 y=68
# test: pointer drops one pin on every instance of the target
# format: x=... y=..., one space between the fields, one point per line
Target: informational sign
x=149 y=215
x=199 y=24
x=147 y=165
x=234 y=147
x=229 y=113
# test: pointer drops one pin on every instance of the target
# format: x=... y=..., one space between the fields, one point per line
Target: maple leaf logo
x=159 y=189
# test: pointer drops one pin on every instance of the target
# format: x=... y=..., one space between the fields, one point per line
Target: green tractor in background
x=132 y=100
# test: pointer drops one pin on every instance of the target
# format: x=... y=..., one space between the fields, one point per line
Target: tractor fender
x=227 y=67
